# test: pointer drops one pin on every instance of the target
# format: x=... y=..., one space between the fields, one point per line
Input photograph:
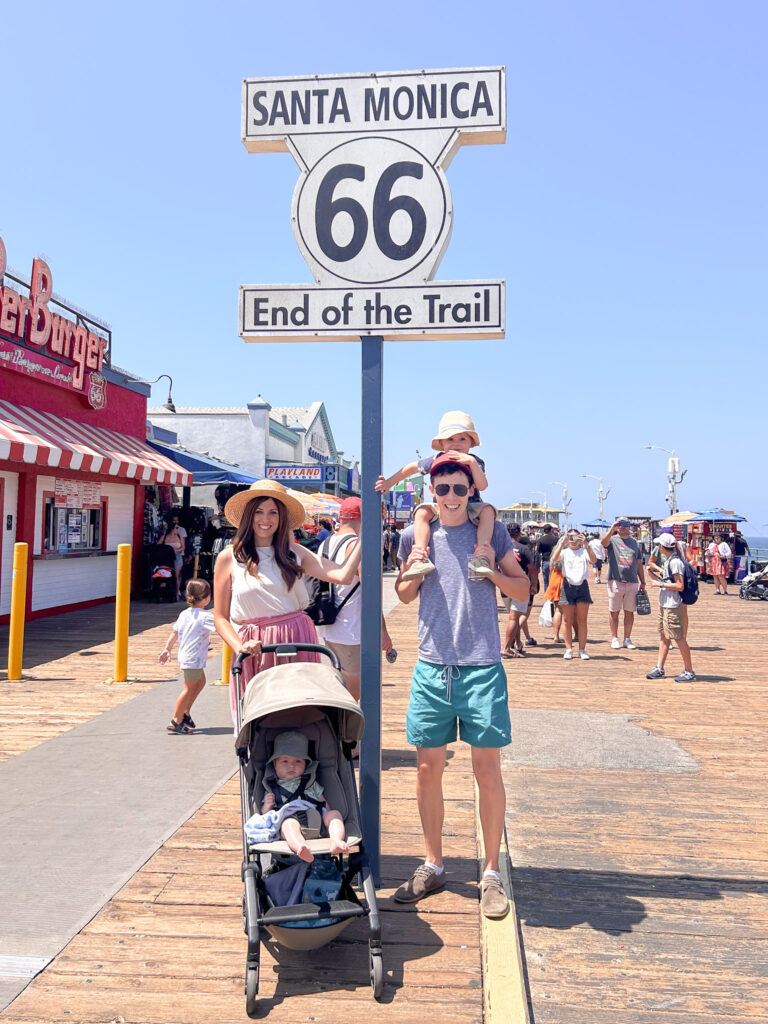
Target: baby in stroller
x=289 y=779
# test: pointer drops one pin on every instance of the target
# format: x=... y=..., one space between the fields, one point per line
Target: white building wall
x=282 y=451
x=231 y=437
x=64 y=581
x=10 y=504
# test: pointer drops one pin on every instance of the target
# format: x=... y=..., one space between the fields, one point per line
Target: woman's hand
x=250 y=647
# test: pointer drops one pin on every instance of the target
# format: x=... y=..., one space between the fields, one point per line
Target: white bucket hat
x=455 y=422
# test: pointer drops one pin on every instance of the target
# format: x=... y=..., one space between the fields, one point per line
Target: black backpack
x=322 y=607
x=690 y=592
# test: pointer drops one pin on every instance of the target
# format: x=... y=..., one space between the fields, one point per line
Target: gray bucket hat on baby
x=292 y=744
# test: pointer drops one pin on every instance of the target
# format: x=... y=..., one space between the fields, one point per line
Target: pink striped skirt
x=291 y=628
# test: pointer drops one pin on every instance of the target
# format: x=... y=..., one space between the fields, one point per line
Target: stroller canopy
x=300 y=684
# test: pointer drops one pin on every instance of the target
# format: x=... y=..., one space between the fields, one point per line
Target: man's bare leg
x=486 y=765
x=430 y=764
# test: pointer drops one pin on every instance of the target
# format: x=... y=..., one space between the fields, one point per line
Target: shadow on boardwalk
x=611 y=902
x=409 y=942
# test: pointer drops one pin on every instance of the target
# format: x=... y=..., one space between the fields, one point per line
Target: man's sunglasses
x=460 y=490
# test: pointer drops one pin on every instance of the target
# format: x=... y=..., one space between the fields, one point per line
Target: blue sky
x=627 y=212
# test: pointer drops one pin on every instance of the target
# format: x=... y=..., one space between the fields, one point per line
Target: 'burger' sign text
x=55 y=348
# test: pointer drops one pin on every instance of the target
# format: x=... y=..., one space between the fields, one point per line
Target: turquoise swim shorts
x=475 y=696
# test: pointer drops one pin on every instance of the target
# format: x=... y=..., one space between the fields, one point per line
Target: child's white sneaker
x=418 y=569
x=479 y=568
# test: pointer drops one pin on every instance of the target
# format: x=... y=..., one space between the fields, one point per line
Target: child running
x=456 y=434
x=193 y=629
x=290 y=777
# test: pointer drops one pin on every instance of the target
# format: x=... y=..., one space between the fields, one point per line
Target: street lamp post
x=673 y=468
x=566 y=501
x=544 y=495
x=601 y=495
x=169 y=404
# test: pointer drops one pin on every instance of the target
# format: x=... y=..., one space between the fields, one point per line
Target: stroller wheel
x=377 y=974
x=252 y=991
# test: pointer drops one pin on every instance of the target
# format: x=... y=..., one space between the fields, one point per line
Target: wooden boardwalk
x=67 y=659
x=642 y=893
x=170 y=948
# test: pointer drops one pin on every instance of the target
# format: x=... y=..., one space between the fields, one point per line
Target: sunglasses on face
x=460 y=490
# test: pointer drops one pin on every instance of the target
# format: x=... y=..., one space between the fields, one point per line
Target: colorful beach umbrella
x=717 y=515
x=678 y=518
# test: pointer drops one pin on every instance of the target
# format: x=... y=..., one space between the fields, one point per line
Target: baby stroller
x=162 y=571
x=312 y=698
x=755 y=586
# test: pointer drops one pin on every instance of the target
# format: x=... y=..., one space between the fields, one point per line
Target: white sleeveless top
x=258 y=597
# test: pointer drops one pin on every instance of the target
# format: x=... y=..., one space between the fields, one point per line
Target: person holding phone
x=575 y=599
x=626 y=576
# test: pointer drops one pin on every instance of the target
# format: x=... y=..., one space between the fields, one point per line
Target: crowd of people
x=453 y=558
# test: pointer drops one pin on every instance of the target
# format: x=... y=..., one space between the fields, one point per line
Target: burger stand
x=73 y=459
x=372 y=216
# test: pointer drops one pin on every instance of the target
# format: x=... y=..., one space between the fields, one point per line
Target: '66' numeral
x=384 y=208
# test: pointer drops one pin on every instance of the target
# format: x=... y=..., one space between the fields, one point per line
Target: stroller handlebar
x=287 y=651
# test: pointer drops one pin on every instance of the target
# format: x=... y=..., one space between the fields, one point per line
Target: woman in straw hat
x=258 y=590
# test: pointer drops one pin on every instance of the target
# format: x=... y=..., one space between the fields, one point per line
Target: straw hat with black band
x=295 y=511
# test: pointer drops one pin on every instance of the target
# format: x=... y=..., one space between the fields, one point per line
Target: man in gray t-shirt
x=625 y=577
x=458 y=679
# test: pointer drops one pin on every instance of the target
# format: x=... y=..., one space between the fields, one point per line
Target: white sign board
x=372 y=210
x=453 y=310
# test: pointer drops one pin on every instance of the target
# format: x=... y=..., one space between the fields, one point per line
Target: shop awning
x=39 y=438
x=204 y=469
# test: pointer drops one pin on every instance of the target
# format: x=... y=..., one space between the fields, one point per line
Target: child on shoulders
x=456 y=434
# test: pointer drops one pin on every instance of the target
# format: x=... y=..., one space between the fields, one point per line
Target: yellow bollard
x=226 y=665
x=122 y=613
x=18 y=605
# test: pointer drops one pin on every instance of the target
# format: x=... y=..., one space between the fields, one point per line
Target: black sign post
x=370 y=577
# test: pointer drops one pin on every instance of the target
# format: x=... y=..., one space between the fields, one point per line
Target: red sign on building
x=39 y=342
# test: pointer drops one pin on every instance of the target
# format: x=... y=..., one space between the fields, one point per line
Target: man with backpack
x=677 y=589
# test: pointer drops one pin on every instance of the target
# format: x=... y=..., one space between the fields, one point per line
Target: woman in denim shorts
x=575 y=599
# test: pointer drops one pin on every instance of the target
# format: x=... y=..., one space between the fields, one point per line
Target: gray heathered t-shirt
x=623 y=556
x=458 y=619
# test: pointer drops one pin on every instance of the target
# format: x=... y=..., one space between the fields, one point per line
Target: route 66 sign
x=372 y=212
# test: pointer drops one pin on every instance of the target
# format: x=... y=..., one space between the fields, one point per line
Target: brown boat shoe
x=493 y=899
x=424 y=881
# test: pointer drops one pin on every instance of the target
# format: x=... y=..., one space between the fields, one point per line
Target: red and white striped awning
x=39 y=438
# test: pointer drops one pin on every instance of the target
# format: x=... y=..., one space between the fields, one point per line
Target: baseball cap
x=446 y=459
x=667 y=540
x=350 y=508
